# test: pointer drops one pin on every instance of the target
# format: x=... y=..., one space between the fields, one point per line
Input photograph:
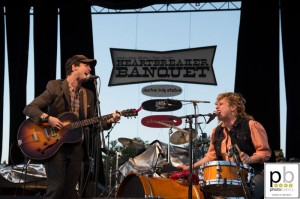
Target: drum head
x=131 y=186
x=221 y=178
x=141 y=186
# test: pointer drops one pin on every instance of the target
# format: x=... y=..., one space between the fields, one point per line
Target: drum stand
x=114 y=189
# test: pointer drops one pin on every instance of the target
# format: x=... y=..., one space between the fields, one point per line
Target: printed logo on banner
x=281 y=180
x=193 y=65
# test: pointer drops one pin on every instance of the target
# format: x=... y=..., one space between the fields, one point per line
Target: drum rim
x=224 y=163
x=220 y=182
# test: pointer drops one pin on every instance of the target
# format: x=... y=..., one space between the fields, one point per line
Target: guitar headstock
x=130 y=112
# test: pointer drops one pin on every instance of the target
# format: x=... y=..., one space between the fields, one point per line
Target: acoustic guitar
x=41 y=141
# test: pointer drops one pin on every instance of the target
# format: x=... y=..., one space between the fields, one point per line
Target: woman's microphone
x=211 y=117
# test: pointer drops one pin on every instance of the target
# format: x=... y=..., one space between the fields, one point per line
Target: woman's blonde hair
x=237 y=100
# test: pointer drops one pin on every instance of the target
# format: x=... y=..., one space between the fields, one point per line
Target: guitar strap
x=84 y=102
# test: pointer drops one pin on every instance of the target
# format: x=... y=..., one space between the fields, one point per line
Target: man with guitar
x=59 y=113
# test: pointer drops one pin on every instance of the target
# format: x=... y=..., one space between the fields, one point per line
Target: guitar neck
x=90 y=121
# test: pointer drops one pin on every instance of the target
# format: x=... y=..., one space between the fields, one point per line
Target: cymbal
x=182 y=136
x=172 y=126
x=131 y=143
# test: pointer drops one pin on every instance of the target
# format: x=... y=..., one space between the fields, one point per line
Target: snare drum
x=221 y=178
x=142 y=186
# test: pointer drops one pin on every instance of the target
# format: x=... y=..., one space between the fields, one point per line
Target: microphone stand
x=192 y=101
x=190 y=159
x=108 y=156
x=235 y=154
x=191 y=151
x=189 y=118
x=97 y=140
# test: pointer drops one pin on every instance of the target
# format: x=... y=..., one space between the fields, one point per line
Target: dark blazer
x=56 y=100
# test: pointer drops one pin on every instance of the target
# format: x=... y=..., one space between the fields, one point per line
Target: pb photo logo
x=281 y=180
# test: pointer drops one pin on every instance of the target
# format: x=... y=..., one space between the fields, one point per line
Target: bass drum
x=141 y=186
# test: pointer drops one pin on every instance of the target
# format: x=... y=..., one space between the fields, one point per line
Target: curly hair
x=237 y=100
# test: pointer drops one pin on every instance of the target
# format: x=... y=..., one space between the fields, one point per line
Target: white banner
x=193 y=65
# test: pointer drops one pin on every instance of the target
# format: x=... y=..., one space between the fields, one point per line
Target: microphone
x=91 y=77
x=211 y=117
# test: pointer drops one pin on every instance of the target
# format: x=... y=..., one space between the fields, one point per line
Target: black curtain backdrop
x=45 y=25
x=257 y=70
x=291 y=42
x=76 y=34
x=17 y=26
x=76 y=37
x=2 y=70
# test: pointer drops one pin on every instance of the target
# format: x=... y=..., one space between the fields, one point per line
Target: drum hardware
x=168 y=152
x=187 y=135
x=234 y=152
x=114 y=189
x=170 y=132
x=221 y=178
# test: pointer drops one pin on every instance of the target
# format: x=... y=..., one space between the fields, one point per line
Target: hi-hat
x=131 y=143
x=182 y=136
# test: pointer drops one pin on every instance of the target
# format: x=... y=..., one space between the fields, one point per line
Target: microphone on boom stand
x=211 y=117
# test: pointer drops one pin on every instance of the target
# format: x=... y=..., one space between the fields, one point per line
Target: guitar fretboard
x=87 y=122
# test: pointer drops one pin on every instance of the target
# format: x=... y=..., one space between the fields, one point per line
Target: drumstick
x=238 y=148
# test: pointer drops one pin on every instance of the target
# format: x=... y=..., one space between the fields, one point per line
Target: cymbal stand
x=168 y=152
x=107 y=166
x=115 y=188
